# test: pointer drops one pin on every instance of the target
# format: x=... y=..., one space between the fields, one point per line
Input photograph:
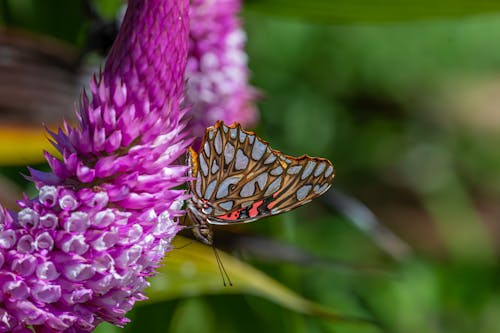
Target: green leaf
x=108 y=8
x=107 y=328
x=59 y=18
x=191 y=269
x=371 y=11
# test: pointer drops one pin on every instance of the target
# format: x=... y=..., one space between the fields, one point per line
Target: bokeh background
x=404 y=99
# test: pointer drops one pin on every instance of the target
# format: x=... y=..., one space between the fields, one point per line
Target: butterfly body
x=238 y=178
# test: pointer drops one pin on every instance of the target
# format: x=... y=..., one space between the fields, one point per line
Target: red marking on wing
x=253 y=212
x=273 y=203
x=231 y=216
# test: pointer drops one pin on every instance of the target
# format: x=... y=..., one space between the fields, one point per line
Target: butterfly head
x=201 y=229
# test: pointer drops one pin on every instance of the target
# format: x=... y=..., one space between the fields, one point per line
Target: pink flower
x=217 y=73
x=80 y=252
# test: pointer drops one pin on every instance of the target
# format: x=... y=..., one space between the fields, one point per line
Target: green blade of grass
x=192 y=270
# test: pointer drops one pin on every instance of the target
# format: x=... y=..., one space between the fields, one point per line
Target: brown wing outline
x=239 y=178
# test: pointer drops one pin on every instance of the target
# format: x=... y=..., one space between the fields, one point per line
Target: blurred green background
x=404 y=99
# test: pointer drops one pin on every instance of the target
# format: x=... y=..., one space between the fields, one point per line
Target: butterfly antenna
x=183 y=246
x=222 y=270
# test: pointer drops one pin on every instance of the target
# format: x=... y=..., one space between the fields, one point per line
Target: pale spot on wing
x=225 y=128
x=228 y=153
x=241 y=160
x=319 y=170
x=206 y=147
x=329 y=171
x=246 y=204
x=251 y=139
x=303 y=192
x=321 y=189
x=210 y=189
x=227 y=205
x=223 y=190
x=242 y=136
x=308 y=169
x=283 y=158
x=207 y=210
x=211 y=134
x=233 y=133
x=273 y=187
x=215 y=167
x=198 y=185
x=270 y=159
x=218 y=143
x=261 y=180
x=203 y=165
x=294 y=169
x=258 y=150
x=277 y=171
x=249 y=188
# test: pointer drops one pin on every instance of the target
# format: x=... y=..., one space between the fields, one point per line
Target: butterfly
x=236 y=177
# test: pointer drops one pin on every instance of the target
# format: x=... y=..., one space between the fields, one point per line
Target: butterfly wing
x=238 y=178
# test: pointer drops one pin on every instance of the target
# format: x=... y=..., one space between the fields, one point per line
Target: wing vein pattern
x=237 y=177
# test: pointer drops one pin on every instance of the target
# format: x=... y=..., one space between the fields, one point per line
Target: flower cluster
x=80 y=252
x=70 y=260
x=217 y=73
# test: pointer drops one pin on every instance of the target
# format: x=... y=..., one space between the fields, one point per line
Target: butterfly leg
x=204 y=234
x=201 y=229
